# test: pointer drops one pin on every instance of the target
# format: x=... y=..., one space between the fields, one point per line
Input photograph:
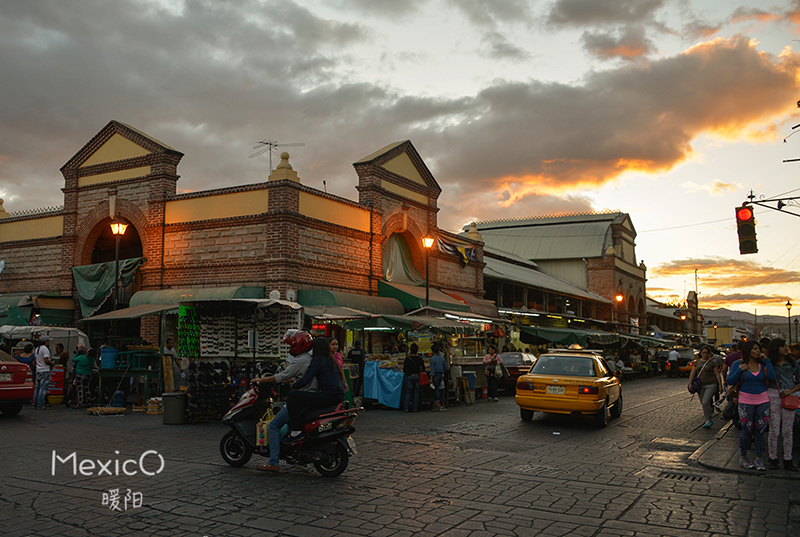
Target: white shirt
x=674 y=355
x=42 y=352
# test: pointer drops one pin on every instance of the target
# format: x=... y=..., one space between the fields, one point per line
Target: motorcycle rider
x=297 y=363
x=331 y=388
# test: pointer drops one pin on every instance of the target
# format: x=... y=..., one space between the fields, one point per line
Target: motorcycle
x=327 y=442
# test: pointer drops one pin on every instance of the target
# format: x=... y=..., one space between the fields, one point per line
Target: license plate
x=5 y=377
x=555 y=390
x=538 y=388
x=352 y=445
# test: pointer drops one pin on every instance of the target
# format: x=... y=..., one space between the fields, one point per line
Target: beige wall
x=406 y=193
x=334 y=212
x=40 y=228
x=116 y=148
x=220 y=206
x=114 y=176
x=402 y=165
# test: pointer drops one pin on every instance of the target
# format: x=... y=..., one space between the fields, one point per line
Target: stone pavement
x=474 y=471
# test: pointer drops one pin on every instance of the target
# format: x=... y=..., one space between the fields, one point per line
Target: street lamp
x=715 y=333
x=789 y=315
x=427 y=242
x=619 y=298
x=796 y=322
x=118 y=227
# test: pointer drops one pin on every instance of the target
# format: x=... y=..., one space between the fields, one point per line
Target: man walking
x=43 y=364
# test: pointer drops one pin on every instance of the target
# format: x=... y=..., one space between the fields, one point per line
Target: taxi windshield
x=576 y=366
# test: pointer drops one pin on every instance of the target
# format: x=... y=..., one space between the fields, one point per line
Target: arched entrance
x=104 y=249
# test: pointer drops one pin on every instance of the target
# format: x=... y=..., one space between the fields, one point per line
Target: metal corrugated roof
x=515 y=273
x=561 y=237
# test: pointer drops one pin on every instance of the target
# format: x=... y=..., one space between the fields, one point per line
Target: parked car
x=16 y=385
x=685 y=362
x=517 y=363
x=570 y=382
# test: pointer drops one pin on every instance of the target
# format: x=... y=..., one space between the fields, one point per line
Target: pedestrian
x=335 y=351
x=28 y=357
x=331 y=388
x=60 y=356
x=708 y=370
x=83 y=374
x=438 y=369
x=672 y=360
x=43 y=364
x=178 y=375
x=794 y=351
x=413 y=365
x=357 y=356
x=756 y=372
x=781 y=420
x=490 y=363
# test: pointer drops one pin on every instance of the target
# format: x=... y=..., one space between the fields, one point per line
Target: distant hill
x=742 y=316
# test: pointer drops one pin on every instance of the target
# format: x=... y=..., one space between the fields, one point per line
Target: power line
x=687 y=225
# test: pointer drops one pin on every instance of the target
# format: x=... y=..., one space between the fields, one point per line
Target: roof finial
x=284 y=170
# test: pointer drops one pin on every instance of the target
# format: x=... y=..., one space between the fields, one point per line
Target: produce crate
x=155 y=406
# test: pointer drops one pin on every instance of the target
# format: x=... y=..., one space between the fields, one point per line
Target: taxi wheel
x=601 y=418
x=616 y=410
x=525 y=414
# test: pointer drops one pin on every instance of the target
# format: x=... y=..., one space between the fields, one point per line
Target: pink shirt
x=753 y=398
x=339 y=360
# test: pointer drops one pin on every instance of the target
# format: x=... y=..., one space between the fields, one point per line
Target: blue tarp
x=384 y=385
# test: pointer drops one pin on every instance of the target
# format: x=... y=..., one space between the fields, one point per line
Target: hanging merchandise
x=189 y=344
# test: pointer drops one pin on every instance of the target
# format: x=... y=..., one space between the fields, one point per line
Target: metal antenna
x=269 y=146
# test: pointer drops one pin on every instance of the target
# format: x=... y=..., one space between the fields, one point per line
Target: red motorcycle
x=327 y=443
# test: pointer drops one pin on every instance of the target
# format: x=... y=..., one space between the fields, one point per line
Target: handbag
x=790 y=402
x=262 y=435
x=498 y=370
x=730 y=410
x=697 y=384
x=423 y=379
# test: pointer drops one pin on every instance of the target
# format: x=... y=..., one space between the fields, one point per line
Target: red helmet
x=299 y=341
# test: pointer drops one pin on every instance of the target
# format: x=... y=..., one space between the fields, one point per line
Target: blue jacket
x=327 y=375
x=752 y=384
x=438 y=365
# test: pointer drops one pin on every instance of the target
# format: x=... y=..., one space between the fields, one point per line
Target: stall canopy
x=406 y=322
x=333 y=313
x=95 y=283
x=647 y=341
x=11 y=313
x=134 y=312
x=353 y=301
x=176 y=296
x=568 y=336
x=413 y=298
x=69 y=337
x=476 y=305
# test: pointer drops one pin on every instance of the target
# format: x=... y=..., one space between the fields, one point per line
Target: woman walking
x=781 y=420
x=708 y=370
x=490 y=362
x=756 y=373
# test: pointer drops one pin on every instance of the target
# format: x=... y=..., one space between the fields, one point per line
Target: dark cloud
x=739 y=299
x=602 y=12
x=499 y=47
x=489 y=14
x=629 y=44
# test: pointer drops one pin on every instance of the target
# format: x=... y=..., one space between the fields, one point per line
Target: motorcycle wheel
x=337 y=464
x=234 y=450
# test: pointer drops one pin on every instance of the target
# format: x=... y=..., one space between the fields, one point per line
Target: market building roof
x=554 y=237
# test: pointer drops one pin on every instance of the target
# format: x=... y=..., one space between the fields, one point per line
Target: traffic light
x=746 y=227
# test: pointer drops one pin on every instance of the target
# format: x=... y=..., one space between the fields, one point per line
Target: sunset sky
x=670 y=110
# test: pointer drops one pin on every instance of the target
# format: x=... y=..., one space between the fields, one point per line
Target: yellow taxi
x=570 y=381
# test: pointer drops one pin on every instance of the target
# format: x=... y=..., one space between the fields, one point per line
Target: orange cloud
x=735 y=299
x=718 y=273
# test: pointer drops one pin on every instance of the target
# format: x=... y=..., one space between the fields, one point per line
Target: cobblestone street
x=470 y=471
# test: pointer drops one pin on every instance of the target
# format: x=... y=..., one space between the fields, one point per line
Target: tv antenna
x=269 y=146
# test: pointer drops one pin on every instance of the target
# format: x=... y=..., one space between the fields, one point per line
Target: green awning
x=445 y=326
x=176 y=296
x=11 y=313
x=413 y=298
x=568 y=336
x=369 y=304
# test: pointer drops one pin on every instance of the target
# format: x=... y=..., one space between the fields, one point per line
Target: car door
x=608 y=381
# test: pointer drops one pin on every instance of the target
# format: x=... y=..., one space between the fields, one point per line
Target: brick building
x=278 y=235
x=591 y=256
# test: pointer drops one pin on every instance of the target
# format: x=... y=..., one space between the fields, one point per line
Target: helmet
x=299 y=341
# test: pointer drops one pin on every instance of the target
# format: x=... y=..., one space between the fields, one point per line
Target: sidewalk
x=722 y=453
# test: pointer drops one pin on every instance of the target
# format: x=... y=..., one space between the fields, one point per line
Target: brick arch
x=411 y=231
x=90 y=228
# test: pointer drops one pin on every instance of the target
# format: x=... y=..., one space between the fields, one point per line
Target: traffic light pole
x=781 y=202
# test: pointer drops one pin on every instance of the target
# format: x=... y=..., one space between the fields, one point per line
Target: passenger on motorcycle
x=297 y=363
x=331 y=388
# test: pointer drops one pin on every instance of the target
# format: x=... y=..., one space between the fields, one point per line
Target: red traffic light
x=744 y=213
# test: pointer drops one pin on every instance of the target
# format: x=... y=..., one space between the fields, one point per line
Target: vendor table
x=138 y=364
